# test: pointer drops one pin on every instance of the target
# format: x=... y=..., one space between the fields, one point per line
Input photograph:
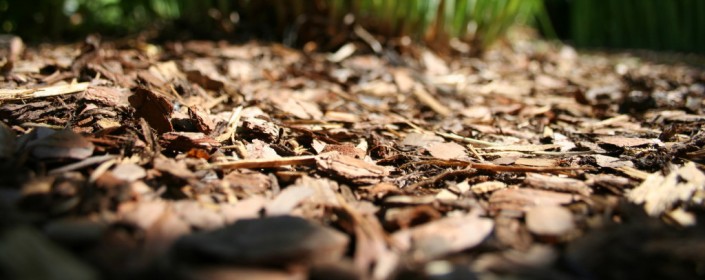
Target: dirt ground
x=210 y=160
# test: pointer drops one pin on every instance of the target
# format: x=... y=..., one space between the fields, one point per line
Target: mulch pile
x=209 y=160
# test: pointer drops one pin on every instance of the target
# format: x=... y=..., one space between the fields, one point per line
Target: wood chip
x=659 y=193
x=110 y=97
x=18 y=94
x=429 y=100
x=444 y=236
x=525 y=199
x=267 y=163
x=185 y=141
x=487 y=187
x=521 y=148
x=557 y=184
x=154 y=107
x=549 y=220
x=421 y=139
x=350 y=169
x=447 y=150
x=626 y=141
x=539 y=162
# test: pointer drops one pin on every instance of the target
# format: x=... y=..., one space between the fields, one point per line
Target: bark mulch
x=209 y=160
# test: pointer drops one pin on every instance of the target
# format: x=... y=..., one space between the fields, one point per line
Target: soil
x=211 y=160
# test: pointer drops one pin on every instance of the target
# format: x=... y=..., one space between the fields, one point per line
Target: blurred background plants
x=677 y=25
x=480 y=21
x=656 y=24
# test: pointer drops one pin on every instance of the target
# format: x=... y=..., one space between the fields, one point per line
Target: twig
x=18 y=94
x=81 y=164
x=465 y=139
x=232 y=126
x=266 y=163
x=426 y=98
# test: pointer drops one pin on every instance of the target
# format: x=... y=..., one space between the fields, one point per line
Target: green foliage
x=654 y=24
x=60 y=19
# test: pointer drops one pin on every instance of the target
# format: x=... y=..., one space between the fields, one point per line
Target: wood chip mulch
x=205 y=160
